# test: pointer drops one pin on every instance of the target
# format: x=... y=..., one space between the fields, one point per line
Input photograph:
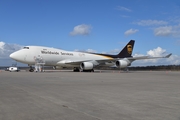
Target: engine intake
x=86 y=66
x=122 y=64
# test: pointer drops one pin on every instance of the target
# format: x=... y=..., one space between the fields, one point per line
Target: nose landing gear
x=31 y=69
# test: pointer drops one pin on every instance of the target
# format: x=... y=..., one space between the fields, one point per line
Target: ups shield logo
x=129 y=49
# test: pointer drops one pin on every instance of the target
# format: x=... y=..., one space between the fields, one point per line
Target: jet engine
x=122 y=63
x=86 y=66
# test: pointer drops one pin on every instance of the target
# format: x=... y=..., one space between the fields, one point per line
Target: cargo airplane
x=79 y=61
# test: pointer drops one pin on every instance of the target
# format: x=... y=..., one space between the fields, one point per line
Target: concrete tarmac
x=103 y=95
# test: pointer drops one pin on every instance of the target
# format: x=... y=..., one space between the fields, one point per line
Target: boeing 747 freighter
x=79 y=61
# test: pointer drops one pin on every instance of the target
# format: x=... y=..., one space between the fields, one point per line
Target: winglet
x=167 y=56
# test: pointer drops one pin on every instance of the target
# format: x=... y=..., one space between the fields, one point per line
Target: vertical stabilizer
x=127 y=50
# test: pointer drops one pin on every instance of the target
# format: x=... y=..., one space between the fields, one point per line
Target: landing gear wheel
x=31 y=69
x=88 y=70
x=76 y=70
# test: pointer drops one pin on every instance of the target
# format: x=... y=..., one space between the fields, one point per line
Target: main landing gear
x=76 y=70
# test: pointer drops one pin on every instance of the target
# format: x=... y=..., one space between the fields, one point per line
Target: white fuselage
x=55 y=57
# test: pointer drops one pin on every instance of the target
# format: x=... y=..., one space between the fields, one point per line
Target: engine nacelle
x=122 y=64
x=86 y=66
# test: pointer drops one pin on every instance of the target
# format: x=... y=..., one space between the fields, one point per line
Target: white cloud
x=163 y=28
x=123 y=9
x=156 y=52
x=173 y=31
x=88 y=50
x=151 y=22
x=82 y=29
x=114 y=52
x=91 y=50
x=1 y=45
x=172 y=60
x=163 y=31
x=5 y=50
x=131 y=31
x=176 y=30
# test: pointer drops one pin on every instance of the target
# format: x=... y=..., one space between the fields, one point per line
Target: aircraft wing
x=148 y=57
x=95 y=62
x=98 y=62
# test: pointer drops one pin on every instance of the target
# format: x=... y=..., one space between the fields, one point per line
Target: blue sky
x=102 y=26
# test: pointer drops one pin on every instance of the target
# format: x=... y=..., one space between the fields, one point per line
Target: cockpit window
x=26 y=48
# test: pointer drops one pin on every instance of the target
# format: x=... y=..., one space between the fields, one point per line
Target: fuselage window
x=26 y=48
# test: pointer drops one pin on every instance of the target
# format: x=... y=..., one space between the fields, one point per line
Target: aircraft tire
x=76 y=70
x=31 y=70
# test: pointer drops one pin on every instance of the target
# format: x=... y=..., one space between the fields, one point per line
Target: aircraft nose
x=12 y=55
x=16 y=56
